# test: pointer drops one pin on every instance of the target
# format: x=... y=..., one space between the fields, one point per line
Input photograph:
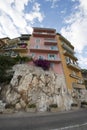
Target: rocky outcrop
x=32 y=85
x=2 y=106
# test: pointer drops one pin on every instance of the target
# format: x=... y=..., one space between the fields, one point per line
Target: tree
x=6 y=63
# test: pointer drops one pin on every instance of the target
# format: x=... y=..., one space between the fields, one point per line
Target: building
x=71 y=69
x=2 y=43
x=5 y=40
x=43 y=45
x=16 y=46
x=22 y=45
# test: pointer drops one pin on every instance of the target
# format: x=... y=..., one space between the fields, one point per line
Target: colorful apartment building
x=43 y=45
x=71 y=69
x=5 y=40
x=16 y=46
x=21 y=47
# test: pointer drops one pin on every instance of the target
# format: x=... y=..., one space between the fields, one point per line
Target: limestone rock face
x=32 y=85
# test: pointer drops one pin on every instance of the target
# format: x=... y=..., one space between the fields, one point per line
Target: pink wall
x=56 y=67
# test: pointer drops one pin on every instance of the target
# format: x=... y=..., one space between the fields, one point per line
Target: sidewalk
x=32 y=114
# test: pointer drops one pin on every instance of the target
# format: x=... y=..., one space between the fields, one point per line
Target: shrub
x=22 y=59
x=6 y=63
x=9 y=106
x=74 y=105
x=32 y=106
x=53 y=105
x=83 y=103
x=44 y=64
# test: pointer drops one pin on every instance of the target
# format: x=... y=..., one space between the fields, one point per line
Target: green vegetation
x=32 y=106
x=84 y=103
x=53 y=105
x=74 y=105
x=84 y=70
x=6 y=64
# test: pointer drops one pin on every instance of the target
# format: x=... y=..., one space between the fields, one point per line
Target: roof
x=5 y=38
x=52 y=29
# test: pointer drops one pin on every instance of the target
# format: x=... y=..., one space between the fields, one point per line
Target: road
x=44 y=121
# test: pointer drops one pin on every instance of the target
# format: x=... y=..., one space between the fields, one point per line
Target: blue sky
x=68 y=17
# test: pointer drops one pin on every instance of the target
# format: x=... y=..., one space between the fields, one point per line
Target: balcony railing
x=69 y=55
x=73 y=66
x=20 y=49
x=54 y=60
x=67 y=48
x=75 y=76
x=21 y=43
x=44 y=34
x=44 y=50
x=50 y=42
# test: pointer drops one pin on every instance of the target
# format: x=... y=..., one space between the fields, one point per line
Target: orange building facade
x=71 y=69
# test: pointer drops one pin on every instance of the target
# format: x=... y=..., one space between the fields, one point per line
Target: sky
x=68 y=17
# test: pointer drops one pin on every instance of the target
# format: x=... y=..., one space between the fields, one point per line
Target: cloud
x=14 y=19
x=54 y=3
x=34 y=14
x=82 y=61
x=63 y=11
x=75 y=29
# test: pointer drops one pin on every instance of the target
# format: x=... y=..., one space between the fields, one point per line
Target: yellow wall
x=66 y=69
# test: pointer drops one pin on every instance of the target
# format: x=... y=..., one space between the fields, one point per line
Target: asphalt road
x=44 y=121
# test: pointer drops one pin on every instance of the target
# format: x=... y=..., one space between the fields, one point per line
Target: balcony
x=50 y=42
x=73 y=66
x=67 y=48
x=19 y=49
x=44 y=34
x=21 y=43
x=57 y=60
x=24 y=37
x=75 y=76
x=78 y=86
x=69 y=55
x=44 y=50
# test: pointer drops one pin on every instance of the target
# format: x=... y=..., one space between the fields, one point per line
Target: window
x=74 y=73
x=37 y=40
x=67 y=60
x=37 y=46
x=80 y=81
x=53 y=48
x=41 y=57
x=32 y=54
x=14 y=54
x=51 y=56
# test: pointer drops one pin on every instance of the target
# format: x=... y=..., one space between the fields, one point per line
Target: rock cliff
x=32 y=85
